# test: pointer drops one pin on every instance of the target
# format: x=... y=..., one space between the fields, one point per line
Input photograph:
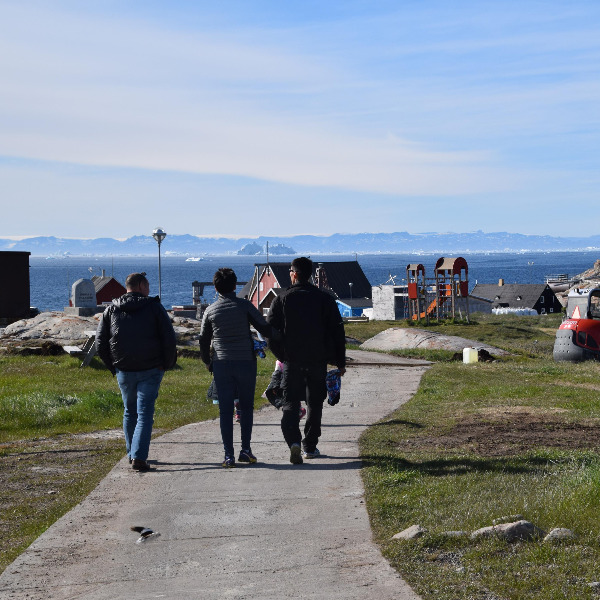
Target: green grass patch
x=484 y=441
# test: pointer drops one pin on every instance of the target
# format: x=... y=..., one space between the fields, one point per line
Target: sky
x=263 y=117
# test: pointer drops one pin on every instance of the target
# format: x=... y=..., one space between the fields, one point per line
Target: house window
x=542 y=311
x=551 y=310
x=541 y=299
x=261 y=286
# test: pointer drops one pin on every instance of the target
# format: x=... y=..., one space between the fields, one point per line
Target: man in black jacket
x=136 y=341
x=313 y=336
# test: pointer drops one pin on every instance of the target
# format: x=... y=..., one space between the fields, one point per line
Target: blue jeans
x=139 y=390
x=235 y=379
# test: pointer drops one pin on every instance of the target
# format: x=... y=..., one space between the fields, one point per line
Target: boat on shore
x=561 y=282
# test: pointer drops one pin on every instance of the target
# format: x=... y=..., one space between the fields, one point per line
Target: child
x=274 y=393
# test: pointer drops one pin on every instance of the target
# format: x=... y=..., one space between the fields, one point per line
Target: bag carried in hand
x=211 y=392
x=333 y=381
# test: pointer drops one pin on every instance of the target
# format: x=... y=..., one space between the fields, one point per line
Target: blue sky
x=281 y=118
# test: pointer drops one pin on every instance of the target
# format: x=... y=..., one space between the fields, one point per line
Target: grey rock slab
x=51 y=326
x=271 y=530
x=559 y=534
x=511 y=532
x=398 y=338
x=410 y=533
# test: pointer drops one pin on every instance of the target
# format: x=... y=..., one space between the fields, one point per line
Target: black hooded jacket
x=312 y=328
x=135 y=334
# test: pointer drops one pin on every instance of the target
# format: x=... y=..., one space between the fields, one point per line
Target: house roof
x=516 y=295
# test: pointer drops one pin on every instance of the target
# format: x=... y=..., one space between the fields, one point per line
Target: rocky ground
x=50 y=331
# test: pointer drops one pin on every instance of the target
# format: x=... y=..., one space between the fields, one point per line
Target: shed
x=14 y=291
x=107 y=288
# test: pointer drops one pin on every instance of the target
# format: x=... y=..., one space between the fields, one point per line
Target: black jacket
x=311 y=325
x=135 y=334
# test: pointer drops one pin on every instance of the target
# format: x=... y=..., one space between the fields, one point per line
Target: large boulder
x=50 y=326
x=398 y=338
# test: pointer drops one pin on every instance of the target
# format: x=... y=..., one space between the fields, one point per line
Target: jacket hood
x=134 y=301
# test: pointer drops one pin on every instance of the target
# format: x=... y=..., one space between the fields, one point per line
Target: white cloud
x=115 y=93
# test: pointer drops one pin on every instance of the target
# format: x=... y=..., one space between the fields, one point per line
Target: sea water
x=51 y=280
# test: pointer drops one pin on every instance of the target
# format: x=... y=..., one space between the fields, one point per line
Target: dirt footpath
x=271 y=530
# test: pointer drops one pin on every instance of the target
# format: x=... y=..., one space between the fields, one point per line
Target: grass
x=60 y=434
x=485 y=441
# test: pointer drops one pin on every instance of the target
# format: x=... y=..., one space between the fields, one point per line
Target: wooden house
x=345 y=280
x=536 y=296
x=107 y=288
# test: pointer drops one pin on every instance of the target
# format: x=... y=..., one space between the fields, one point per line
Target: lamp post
x=159 y=235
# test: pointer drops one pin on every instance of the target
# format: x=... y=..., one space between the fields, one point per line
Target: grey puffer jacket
x=135 y=334
x=226 y=323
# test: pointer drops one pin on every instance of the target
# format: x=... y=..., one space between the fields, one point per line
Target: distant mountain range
x=342 y=243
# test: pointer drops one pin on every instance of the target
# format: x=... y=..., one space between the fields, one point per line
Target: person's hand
x=342 y=371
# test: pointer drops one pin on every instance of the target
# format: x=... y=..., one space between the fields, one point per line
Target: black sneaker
x=229 y=462
x=140 y=465
x=246 y=456
x=296 y=454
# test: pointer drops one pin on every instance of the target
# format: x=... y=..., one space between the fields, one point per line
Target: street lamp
x=159 y=235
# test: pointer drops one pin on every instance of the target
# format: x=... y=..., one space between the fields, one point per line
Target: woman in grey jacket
x=226 y=323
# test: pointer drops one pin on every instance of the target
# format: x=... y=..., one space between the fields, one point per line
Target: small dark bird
x=143 y=531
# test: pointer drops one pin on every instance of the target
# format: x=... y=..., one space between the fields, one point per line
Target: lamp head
x=159 y=234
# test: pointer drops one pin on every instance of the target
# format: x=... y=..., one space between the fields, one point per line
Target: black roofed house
x=345 y=280
x=536 y=296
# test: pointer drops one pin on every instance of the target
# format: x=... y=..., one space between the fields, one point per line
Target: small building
x=14 y=291
x=345 y=280
x=535 y=296
x=107 y=288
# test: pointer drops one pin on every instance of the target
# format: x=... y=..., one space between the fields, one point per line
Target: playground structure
x=440 y=297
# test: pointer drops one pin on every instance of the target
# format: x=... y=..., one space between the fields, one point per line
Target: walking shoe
x=246 y=456
x=314 y=454
x=139 y=465
x=296 y=454
x=229 y=462
x=302 y=412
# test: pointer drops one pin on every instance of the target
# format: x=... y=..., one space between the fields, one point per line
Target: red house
x=107 y=288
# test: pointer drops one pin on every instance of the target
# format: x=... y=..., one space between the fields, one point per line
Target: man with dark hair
x=226 y=329
x=136 y=341
x=313 y=336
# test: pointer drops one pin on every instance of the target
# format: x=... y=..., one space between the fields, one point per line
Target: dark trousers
x=303 y=382
x=235 y=379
